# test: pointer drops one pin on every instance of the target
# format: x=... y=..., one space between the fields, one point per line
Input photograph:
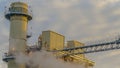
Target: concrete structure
x=52 y=40
x=19 y=16
x=74 y=43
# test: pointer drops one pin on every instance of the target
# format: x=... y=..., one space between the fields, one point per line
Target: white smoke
x=45 y=60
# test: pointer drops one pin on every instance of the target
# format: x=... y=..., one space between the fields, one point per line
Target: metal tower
x=19 y=15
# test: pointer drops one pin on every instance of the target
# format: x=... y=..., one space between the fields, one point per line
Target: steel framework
x=93 y=48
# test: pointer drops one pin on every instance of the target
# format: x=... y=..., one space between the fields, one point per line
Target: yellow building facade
x=74 y=43
x=52 y=40
x=55 y=41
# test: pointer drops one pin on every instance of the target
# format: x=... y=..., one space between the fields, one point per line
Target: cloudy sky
x=82 y=20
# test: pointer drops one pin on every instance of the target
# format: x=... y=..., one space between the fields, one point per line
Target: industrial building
x=18 y=15
x=52 y=40
x=74 y=43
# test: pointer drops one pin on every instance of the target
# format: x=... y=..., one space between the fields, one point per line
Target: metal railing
x=8 y=13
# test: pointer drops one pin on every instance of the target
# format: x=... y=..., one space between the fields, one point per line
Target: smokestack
x=18 y=15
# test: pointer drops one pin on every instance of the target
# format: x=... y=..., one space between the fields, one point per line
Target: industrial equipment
x=94 y=48
x=7 y=57
x=18 y=15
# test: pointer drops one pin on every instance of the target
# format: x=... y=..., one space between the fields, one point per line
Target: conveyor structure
x=93 y=48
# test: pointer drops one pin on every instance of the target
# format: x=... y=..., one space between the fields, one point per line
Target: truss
x=93 y=48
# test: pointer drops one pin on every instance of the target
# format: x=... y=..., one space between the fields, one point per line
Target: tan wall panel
x=73 y=43
x=53 y=39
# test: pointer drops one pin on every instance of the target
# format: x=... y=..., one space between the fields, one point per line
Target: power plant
x=74 y=51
